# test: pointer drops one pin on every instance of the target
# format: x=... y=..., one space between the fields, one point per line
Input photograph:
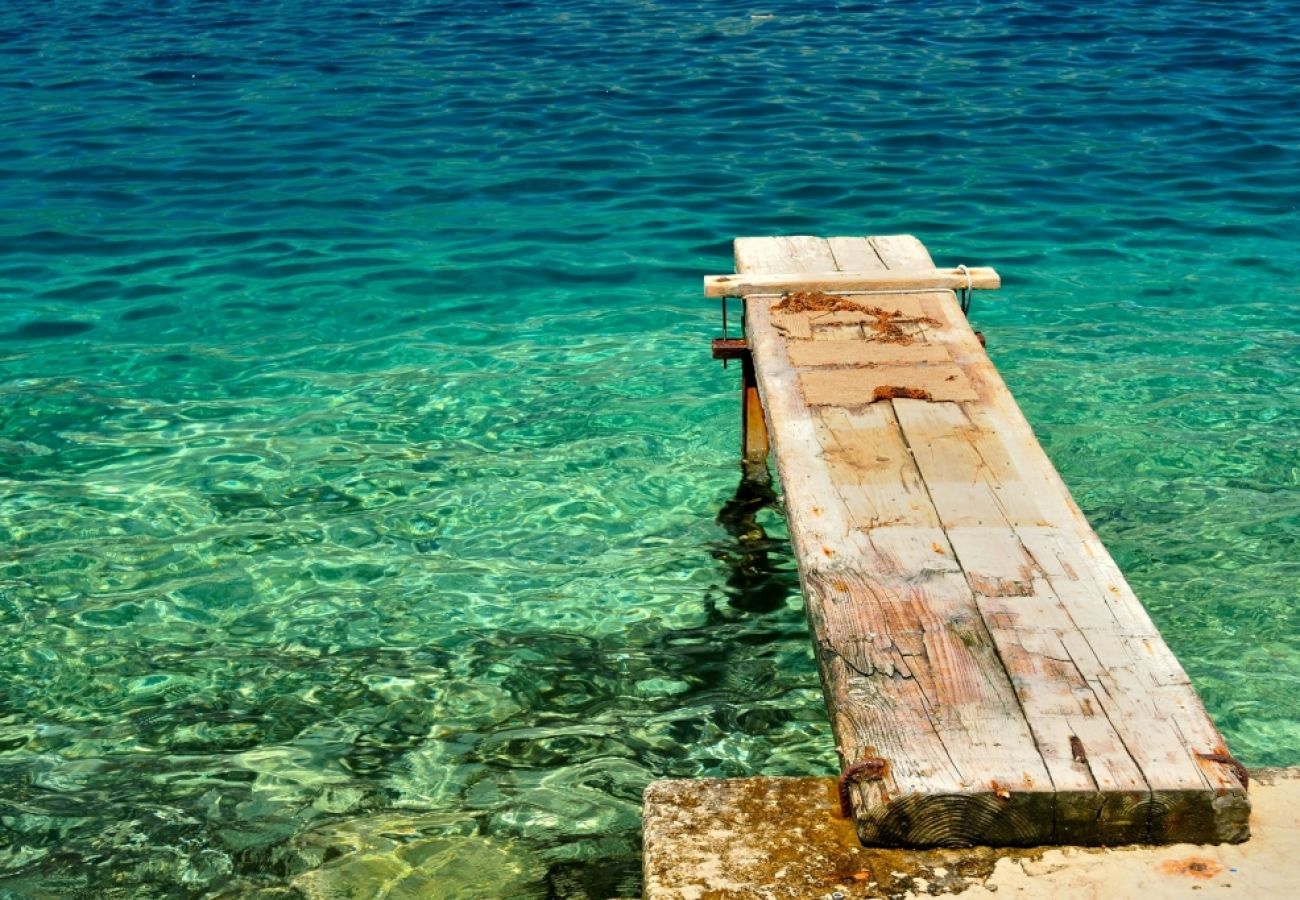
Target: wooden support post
x=753 y=424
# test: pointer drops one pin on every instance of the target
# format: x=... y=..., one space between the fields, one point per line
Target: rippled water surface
x=360 y=451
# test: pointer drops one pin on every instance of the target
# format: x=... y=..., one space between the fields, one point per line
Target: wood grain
x=743 y=284
x=970 y=628
x=861 y=385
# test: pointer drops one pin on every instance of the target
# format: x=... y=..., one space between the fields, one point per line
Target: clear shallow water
x=361 y=452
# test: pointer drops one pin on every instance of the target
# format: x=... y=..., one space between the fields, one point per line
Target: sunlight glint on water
x=360 y=451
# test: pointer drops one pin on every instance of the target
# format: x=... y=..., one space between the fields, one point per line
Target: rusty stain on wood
x=753 y=428
x=1198 y=867
x=814 y=301
x=1076 y=749
x=894 y=392
x=1231 y=761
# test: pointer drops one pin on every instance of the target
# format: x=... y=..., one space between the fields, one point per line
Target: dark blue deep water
x=360 y=450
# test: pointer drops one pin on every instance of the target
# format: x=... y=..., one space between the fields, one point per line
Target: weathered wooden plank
x=1108 y=642
x=970 y=627
x=907 y=664
x=775 y=255
x=806 y=253
x=741 y=284
x=972 y=477
x=869 y=384
x=855 y=254
x=901 y=251
x=811 y=354
x=866 y=712
x=871 y=469
x=797 y=326
x=1070 y=720
x=1012 y=477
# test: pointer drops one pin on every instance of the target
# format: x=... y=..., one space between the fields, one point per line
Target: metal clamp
x=870 y=768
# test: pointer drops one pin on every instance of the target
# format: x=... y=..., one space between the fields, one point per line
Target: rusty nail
x=870 y=768
x=1235 y=764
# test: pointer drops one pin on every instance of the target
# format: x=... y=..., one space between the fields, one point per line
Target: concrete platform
x=783 y=839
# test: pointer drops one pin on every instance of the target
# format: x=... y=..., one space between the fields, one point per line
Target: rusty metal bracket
x=754 y=444
x=730 y=348
x=870 y=768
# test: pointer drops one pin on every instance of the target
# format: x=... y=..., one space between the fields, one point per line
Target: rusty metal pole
x=753 y=424
x=754 y=445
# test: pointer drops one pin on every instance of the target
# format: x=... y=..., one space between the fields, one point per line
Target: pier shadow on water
x=600 y=718
x=757 y=582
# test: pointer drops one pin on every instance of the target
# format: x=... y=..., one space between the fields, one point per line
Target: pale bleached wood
x=775 y=255
x=809 y=254
x=868 y=384
x=796 y=326
x=811 y=354
x=908 y=666
x=855 y=254
x=871 y=469
x=983 y=466
x=901 y=251
x=1094 y=586
x=965 y=614
x=739 y=285
x=971 y=475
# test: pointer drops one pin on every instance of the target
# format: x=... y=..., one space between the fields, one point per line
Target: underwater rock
x=388 y=857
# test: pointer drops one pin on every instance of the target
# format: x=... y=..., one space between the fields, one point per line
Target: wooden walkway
x=990 y=676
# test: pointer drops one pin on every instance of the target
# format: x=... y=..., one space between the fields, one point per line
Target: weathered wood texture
x=738 y=285
x=970 y=627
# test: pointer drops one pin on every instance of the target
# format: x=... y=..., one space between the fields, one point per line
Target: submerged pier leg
x=755 y=583
x=753 y=425
x=754 y=445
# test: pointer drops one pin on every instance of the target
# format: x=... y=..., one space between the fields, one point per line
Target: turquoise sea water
x=360 y=451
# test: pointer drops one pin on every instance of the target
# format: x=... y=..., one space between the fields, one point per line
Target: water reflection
x=756 y=580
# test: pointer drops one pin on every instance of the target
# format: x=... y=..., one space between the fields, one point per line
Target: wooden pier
x=990 y=676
